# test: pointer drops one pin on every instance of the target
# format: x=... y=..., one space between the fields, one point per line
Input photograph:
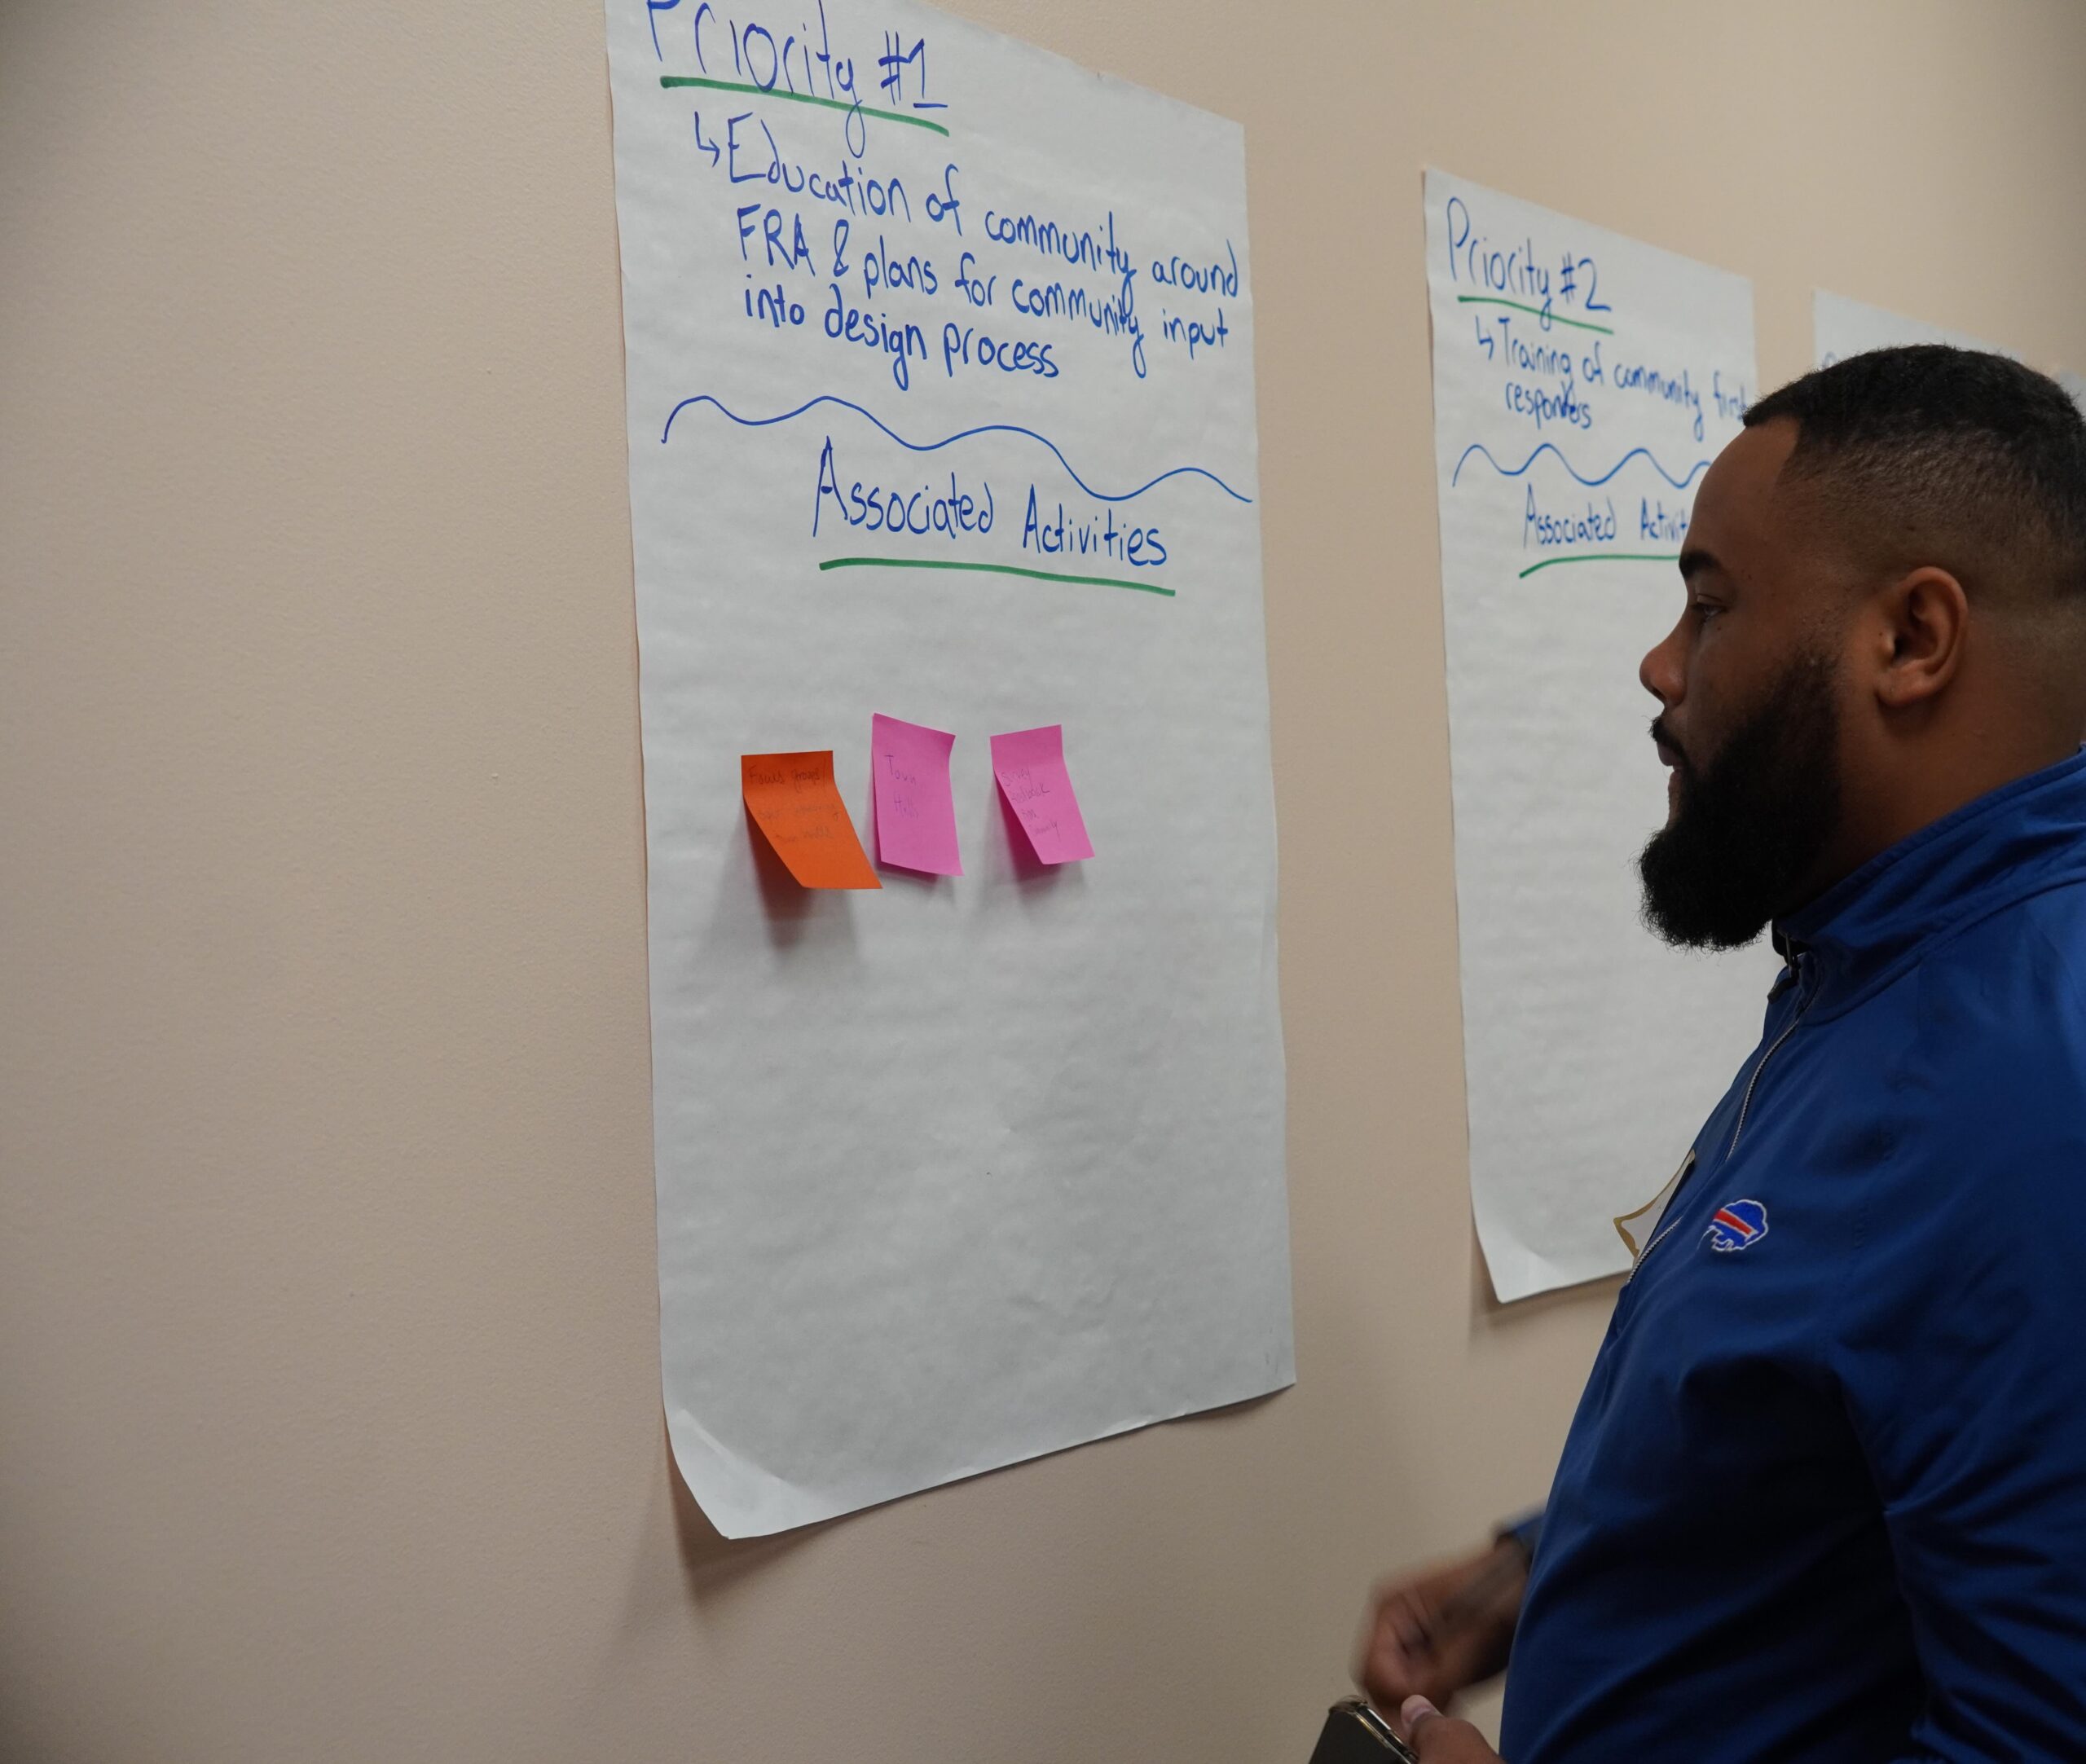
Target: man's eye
x=1704 y=608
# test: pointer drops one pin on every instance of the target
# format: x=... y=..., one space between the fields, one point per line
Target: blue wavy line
x=1699 y=467
x=931 y=446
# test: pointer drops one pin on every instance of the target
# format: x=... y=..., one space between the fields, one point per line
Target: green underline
x=671 y=80
x=1494 y=300
x=1606 y=557
x=994 y=569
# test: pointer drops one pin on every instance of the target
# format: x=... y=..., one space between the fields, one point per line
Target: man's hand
x=1439 y=1740
x=1441 y=1630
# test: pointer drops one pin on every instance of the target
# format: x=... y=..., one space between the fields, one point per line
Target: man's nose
x=1659 y=673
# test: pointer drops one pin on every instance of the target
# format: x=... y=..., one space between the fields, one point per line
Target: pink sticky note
x=916 y=813
x=1030 y=764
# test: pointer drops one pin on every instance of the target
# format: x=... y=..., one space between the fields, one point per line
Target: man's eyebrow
x=1695 y=561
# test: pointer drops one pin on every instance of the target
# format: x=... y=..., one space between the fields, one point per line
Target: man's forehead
x=1733 y=508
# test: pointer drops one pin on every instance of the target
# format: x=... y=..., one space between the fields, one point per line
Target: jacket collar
x=2012 y=842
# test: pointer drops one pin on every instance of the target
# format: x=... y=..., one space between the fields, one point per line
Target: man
x=1825 y=1495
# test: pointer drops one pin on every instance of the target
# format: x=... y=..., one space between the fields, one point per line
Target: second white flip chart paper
x=1582 y=382
x=1841 y=327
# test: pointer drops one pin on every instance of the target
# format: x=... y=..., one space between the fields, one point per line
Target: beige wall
x=329 y=1412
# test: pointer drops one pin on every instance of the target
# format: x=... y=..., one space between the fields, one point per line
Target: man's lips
x=1675 y=762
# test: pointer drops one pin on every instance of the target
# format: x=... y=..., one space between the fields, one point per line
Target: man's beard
x=1752 y=823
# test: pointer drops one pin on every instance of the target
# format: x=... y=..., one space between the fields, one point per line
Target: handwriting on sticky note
x=1030 y=766
x=916 y=809
x=797 y=805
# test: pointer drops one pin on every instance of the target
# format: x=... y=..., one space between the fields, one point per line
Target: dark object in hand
x=1356 y=1734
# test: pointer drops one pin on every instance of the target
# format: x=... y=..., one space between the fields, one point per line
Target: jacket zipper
x=1753 y=1083
x=1738 y=1127
x=1657 y=1238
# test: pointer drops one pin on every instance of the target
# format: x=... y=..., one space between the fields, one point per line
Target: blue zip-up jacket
x=1825 y=1495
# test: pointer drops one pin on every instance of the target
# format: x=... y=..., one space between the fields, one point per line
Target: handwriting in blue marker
x=756 y=61
x=983 y=429
x=1512 y=270
x=1694 y=471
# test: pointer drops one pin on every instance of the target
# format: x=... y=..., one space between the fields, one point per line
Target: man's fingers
x=1399 y=1615
x=1405 y=1624
x=1437 y=1632
x=1388 y=1677
x=1438 y=1739
x=1395 y=1662
x=1390 y=1672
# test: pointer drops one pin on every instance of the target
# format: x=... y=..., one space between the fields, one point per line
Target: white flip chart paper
x=940 y=395
x=1582 y=383
x=1841 y=327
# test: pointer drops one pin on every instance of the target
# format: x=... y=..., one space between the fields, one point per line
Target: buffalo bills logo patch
x=1736 y=1224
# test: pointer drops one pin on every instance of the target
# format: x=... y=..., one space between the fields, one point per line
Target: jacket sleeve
x=1524 y=1531
x=1962 y=1335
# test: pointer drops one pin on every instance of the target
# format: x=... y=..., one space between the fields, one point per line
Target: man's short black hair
x=1928 y=455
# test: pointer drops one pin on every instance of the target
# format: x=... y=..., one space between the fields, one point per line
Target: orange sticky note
x=794 y=801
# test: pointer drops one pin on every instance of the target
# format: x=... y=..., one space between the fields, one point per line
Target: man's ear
x=1922 y=623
